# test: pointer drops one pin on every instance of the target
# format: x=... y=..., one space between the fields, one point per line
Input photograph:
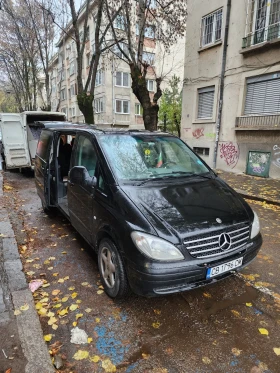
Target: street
x=231 y=326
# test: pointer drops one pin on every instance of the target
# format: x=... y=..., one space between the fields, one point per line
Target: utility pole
x=222 y=84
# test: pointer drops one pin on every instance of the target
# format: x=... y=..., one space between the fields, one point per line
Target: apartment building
x=114 y=103
x=233 y=108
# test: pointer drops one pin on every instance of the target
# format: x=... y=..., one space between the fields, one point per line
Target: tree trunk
x=85 y=105
x=150 y=117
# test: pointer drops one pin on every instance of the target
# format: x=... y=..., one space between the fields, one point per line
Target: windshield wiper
x=173 y=175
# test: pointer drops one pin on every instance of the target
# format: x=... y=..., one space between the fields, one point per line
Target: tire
x=113 y=277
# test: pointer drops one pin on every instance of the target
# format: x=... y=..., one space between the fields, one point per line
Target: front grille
x=208 y=245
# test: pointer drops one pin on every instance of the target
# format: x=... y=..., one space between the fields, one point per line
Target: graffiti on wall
x=199 y=132
x=276 y=155
x=229 y=152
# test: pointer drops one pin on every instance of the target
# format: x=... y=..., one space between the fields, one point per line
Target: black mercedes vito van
x=159 y=218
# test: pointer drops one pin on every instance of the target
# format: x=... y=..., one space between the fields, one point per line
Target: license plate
x=216 y=271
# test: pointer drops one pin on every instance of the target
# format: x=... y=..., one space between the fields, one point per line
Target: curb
x=28 y=324
x=256 y=198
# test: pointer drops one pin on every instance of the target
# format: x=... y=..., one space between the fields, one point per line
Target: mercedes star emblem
x=218 y=220
x=224 y=241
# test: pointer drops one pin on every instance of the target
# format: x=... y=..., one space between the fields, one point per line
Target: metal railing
x=269 y=33
x=259 y=121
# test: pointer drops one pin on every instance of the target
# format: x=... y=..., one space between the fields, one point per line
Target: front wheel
x=111 y=268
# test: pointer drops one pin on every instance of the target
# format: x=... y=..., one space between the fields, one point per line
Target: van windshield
x=140 y=157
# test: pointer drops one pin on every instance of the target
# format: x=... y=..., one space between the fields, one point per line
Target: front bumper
x=156 y=278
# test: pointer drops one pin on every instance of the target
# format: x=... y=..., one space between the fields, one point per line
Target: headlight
x=155 y=247
x=255 y=226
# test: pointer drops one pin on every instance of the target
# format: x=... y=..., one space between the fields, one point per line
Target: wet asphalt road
x=208 y=330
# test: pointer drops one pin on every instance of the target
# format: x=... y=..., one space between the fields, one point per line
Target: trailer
x=20 y=135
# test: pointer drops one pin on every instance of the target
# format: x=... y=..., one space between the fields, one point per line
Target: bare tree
x=162 y=20
x=77 y=30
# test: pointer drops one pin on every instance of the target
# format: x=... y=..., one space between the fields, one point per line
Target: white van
x=20 y=135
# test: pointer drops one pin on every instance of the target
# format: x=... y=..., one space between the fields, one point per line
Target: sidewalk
x=22 y=347
x=252 y=187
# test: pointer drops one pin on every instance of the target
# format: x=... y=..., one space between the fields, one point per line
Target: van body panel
x=14 y=141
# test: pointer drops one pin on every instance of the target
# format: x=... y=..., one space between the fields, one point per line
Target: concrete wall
x=203 y=68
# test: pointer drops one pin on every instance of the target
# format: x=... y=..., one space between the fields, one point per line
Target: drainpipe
x=222 y=84
x=113 y=91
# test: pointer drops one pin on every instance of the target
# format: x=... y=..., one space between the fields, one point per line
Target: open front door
x=14 y=141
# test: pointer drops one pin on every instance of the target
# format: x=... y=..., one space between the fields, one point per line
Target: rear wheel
x=112 y=271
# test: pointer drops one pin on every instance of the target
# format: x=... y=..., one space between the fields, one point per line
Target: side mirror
x=79 y=175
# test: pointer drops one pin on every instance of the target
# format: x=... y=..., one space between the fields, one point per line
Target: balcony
x=258 y=122
x=262 y=38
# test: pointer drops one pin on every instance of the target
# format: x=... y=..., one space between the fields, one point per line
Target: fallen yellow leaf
x=8 y=187
x=89 y=339
x=277 y=350
x=44 y=300
x=38 y=306
x=156 y=325
x=73 y=307
x=74 y=295
x=206 y=360
x=63 y=312
x=97 y=320
x=50 y=314
x=25 y=307
x=79 y=315
x=71 y=288
x=236 y=351
x=52 y=320
x=80 y=355
x=65 y=299
x=100 y=292
x=64 y=252
x=95 y=359
x=61 y=280
x=249 y=305
x=74 y=323
x=46 y=285
x=47 y=337
x=145 y=356
x=55 y=292
x=43 y=311
x=84 y=283
x=157 y=312
x=17 y=312
x=55 y=274
x=108 y=366
x=51 y=258
x=30 y=273
x=263 y=331
x=78 y=301
x=88 y=310
x=54 y=326
x=58 y=305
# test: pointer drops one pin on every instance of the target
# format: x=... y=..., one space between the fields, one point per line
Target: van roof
x=100 y=130
x=54 y=125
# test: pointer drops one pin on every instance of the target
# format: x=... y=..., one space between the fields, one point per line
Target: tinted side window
x=43 y=144
x=86 y=155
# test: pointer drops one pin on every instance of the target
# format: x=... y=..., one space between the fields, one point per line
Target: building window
x=119 y=22
x=205 y=102
x=99 y=77
x=201 y=151
x=72 y=68
x=150 y=85
x=263 y=94
x=122 y=106
x=124 y=47
x=138 y=109
x=263 y=22
x=99 y=105
x=211 y=28
x=63 y=94
x=73 y=89
x=73 y=111
x=148 y=58
x=122 y=79
x=149 y=31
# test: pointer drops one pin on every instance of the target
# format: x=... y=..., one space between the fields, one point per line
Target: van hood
x=192 y=206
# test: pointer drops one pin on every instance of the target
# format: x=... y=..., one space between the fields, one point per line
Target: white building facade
x=246 y=92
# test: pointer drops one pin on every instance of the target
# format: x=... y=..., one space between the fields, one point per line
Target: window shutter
x=263 y=95
x=205 y=102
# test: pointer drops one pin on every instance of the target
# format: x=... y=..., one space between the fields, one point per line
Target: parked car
x=160 y=220
x=20 y=135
